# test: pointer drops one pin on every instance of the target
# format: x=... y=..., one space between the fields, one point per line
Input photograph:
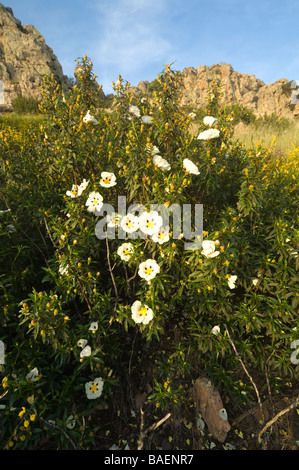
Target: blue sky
x=136 y=38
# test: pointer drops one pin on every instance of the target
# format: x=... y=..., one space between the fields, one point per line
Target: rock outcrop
x=279 y=97
x=24 y=59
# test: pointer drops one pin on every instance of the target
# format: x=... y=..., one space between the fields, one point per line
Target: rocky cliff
x=279 y=97
x=24 y=59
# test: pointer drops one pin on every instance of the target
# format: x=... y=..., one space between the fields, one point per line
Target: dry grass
x=280 y=137
x=284 y=139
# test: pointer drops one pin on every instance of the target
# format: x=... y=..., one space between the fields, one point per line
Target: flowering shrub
x=91 y=292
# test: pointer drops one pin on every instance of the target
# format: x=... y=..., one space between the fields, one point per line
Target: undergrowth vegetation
x=100 y=305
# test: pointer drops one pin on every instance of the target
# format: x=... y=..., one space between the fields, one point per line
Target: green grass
x=20 y=121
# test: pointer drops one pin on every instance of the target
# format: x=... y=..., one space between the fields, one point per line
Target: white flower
x=11 y=228
x=161 y=236
x=3 y=212
x=153 y=150
x=148 y=269
x=255 y=281
x=94 y=389
x=231 y=281
x=142 y=314
x=94 y=202
x=85 y=351
x=70 y=422
x=63 y=269
x=216 y=330
x=223 y=414
x=209 y=249
x=82 y=343
x=129 y=223
x=209 y=121
x=125 y=251
x=209 y=134
x=89 y=118
x=107 y=179
x=147 y=119
x=73 y=192
x=192 y=115
x=113 y=219
x=32 y=376
x=77 y=190
x=161 y=162
x=150 y=222
x=94 y=326
x=190 y=167
x=134 y=110
x=200 y=424
x=82 y=186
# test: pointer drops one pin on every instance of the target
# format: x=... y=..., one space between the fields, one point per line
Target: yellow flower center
x=94 y=388
x=106 y=180
x=148 y=270
x=150 y=224
x=143 y=311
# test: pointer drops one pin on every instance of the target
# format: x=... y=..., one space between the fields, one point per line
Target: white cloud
x=132 y=36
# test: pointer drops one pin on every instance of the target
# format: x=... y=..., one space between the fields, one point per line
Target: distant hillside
x=24 y=59
x=279 y=97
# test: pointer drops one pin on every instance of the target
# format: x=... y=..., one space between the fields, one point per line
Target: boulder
x=210 y=405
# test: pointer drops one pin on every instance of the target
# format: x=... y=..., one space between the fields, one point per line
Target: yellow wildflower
x=22 y=412
x=4 y=382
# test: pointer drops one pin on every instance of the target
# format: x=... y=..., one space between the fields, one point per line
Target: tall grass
x=283 y=138
x=269 y=130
